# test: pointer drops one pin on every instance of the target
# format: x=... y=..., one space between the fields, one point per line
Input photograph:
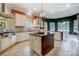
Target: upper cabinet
x=0 y=6
x=5 y=11
x=20 y=19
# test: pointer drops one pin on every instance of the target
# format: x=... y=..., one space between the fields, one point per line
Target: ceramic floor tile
x=69 y=46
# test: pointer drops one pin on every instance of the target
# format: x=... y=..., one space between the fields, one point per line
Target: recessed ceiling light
x=42 y=15
x=68 y=5
x=35 y=8
x=29 y=12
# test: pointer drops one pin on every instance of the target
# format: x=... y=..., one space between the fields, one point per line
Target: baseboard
x=36 y=53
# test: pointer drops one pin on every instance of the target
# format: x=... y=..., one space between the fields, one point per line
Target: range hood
x=2 y=13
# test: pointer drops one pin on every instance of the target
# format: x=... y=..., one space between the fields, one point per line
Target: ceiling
x=51 y=10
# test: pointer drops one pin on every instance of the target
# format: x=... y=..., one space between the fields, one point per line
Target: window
x=45 y=26
x=29 y=24
x=63 y=26
x=75 y=25
x=52 y=26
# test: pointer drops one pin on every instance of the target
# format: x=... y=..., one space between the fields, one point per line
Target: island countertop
x=41 y=34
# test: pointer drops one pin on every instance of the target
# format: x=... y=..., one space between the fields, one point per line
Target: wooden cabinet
x=5 y=42
x=0 y=6
x=36 y=44
x=58 y=35
x=22 y=36
x=42 y=44
x=13 y=40
x=20 y=20
x=0 y=42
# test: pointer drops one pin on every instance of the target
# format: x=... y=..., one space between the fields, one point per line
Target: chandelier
x=42 y=12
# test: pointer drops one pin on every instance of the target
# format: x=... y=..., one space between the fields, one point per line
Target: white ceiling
x=52 y=10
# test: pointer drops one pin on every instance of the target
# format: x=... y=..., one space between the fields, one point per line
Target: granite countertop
x=4 y=32
x=46 y=33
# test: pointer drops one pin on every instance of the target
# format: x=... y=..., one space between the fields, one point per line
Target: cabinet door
x=57 y=36
x=25 y=36
x=0 y=6
x=22 y=36
x=0 y=42
x=18 y=37
x=36 y=44
x=20 y=20
x=13 y=40
x=5 y=43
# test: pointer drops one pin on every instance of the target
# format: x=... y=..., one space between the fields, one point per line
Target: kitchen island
x=42 y=43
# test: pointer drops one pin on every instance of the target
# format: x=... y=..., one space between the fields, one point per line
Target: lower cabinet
x=0 y=42
x=58 y=35
x=36 y=44
x=5 y=43
x=13 y=40
x=22 y=36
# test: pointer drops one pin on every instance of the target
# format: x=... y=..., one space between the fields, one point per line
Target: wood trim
x=19 y=26
x=36 y=53
x=15 y=11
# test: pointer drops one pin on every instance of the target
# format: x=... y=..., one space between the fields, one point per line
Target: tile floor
x=69 y=46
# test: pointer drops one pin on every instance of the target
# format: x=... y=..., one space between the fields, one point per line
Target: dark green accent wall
x=56 y=26
x=68 y=18
x=48 y=26
x=71 y=27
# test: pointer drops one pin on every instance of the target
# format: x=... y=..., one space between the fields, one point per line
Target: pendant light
x=42 y=14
